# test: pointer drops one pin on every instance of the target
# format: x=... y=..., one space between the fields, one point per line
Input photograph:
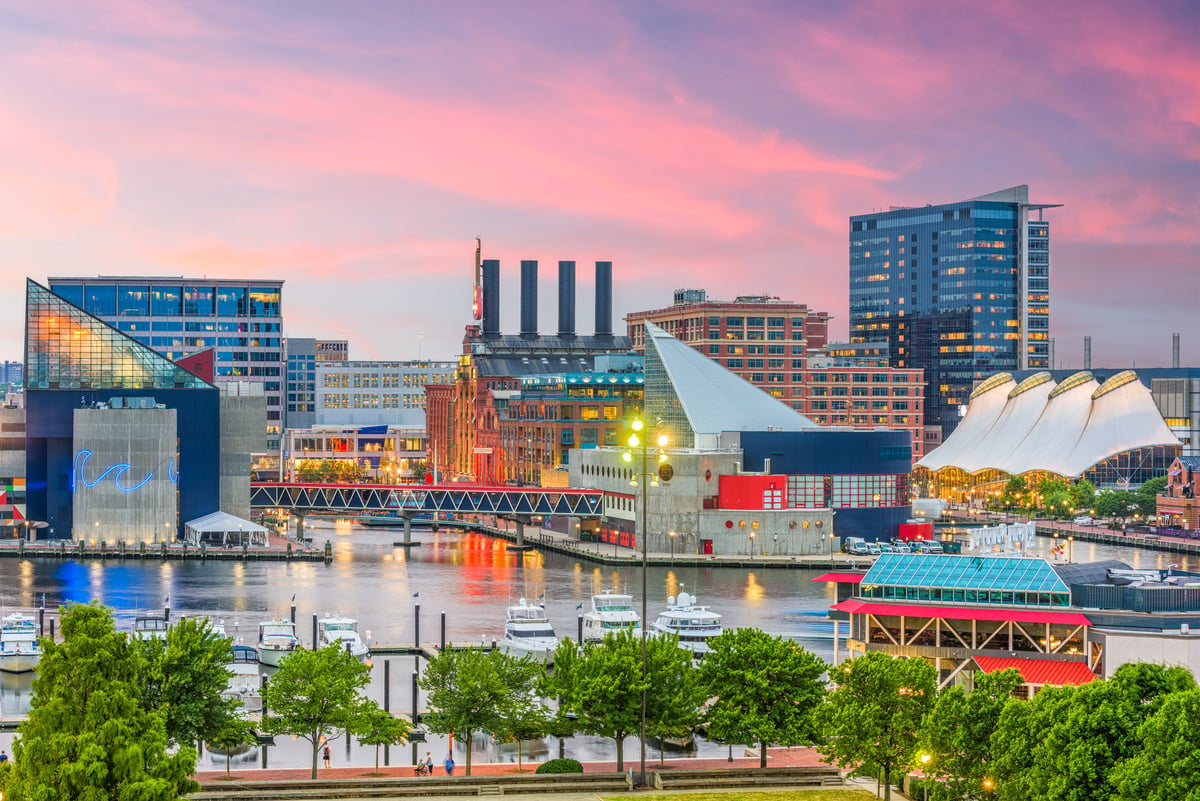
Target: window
x=756 y=322
x=733 y=321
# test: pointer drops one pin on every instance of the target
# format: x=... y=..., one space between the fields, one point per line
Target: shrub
x=560 y=766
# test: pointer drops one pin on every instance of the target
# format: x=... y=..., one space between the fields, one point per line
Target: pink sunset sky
x=357 y=149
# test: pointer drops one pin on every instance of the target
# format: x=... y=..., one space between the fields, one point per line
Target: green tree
x=1167 y=768
x=86 y=737
x=764 y=689
x=1153 y=487
x=233 y=733
x=874 y=716
x=1014 y=492
x=520 y=723
x=317 y=695
x=381 y=728
x=602 y=685
x=472 y=690
x=673 y=704
x=184 y=676
x=959 y=730
x=1083 y=496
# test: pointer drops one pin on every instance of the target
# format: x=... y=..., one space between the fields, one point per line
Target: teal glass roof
x=67 y=348
x=964 y=572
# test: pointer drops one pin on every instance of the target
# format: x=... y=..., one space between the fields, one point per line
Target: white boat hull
x=272 y=656
x=19 y=662
x=540 y=652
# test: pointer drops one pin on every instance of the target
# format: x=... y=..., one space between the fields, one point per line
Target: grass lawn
x=758 y=795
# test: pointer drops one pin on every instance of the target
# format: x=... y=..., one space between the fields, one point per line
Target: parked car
x=873 y=549
x=1082 y=520
x=887 y=547
x=931 y=546
x=901 y=547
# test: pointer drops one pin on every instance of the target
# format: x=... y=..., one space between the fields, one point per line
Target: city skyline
x=356 y=156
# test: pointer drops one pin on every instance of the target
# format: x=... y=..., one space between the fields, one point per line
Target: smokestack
x=491 y=297
x=529 y=298
x=1175 y=351
x=604 y=298
x=1050 y=353
x=566 y=298
x=1087 y=353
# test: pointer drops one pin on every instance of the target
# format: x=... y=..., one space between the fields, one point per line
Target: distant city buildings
x=960 y=290
x=303 y=354
x=240 y=320
x=12 y=373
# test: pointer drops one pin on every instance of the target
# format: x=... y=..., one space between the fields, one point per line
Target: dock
x=283 y=551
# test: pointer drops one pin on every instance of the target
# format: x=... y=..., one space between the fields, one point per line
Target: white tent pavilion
x=223 y=529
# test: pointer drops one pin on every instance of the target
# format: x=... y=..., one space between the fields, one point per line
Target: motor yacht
x=245 y=682
x=694 y=625
x=611 y=611
x=150 y=627
x=19 y=646
x=342 y=631
x=276 y=639
x=527 y=632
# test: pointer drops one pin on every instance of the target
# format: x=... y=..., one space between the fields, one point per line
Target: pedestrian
x=428 y=763
x=3 y=757
x=449 y=764
x=327 y=755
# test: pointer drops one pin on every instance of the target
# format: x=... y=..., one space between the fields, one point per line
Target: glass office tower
x=242 y=321
x=961 y=290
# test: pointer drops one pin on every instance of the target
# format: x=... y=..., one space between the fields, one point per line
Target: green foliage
x=87 y=738
x=317 y=695
x=1014 y=493
x=472 y=690
x=958 y=734
x=233 y=733
x=673 y=704
x=1153 y=487
x=5 y=768
x=381 y=728
x=1167 y=768
x=1122 y=505
x=765 y=689
x=1083 y=496
x=560 y=766
x=184 y=676
x=602 y=684
x=874 y=715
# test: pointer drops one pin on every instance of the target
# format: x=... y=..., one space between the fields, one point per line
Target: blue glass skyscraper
x=961 y=290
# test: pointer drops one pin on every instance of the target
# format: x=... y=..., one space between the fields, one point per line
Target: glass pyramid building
x=697 y=399
x=67 y=348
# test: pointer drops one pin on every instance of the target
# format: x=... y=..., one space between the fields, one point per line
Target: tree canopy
x=473 y=690
x=873 y=717
x=764 y=689
x=184 y=676
x=317 y=695
x=1167 y=768
x=87 y=738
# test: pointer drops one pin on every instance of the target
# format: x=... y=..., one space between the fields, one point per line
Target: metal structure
x=448 y=499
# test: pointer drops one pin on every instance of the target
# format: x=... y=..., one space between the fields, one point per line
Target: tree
x=1167 y=768
x=317 y=695
x=873 y=717
x=474 y=690
x=673 y=705
x=1153 y=487
x=184 y=676
x=1083 y=495
x=602 y=684
x=86 y=736
x=524 y=722
x=959 y=730
x=764 y=689
x=381 y=728
x=1014 y=491
x=233 y=733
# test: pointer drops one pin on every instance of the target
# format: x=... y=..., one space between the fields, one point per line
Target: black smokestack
x=491 y=297
x=566 y=298
x=604 y=298
x=529 y=298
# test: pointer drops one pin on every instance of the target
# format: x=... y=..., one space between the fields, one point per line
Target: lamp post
x=672 y=536
x=924 y=774
x=751 y=544
x=639 y=442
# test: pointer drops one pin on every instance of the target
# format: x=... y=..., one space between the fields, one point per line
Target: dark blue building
x=961 y=290
x=864 y=476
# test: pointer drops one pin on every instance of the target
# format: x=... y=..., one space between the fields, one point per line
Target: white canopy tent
x=222 y=529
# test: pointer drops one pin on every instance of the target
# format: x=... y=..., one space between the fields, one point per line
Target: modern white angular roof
x=1065 y=428
x=712 y=399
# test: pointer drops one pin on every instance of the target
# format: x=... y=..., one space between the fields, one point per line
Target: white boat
x=19 y=646
x=695 y=625
x=245 y=682
x=342 y=631
x=527 y=632
x=610 y=612
x=150 y=627
x=276 y=639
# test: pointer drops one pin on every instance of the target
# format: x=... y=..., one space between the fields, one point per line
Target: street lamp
x=924 y=774
x=672 y=536
x=639 y=443
x=751 y=543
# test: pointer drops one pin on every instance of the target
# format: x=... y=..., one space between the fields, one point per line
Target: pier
x=281 y=550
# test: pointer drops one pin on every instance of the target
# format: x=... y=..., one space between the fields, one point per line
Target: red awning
x=841 y=578
x=1055 y=672
x=1015 y=615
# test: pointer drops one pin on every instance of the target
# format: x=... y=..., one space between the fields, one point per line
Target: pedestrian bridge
x=408 y=500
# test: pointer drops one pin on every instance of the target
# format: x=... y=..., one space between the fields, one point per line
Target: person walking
x=3 y=757
x=428 y=763
x=449 y=764
x=327 y=755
